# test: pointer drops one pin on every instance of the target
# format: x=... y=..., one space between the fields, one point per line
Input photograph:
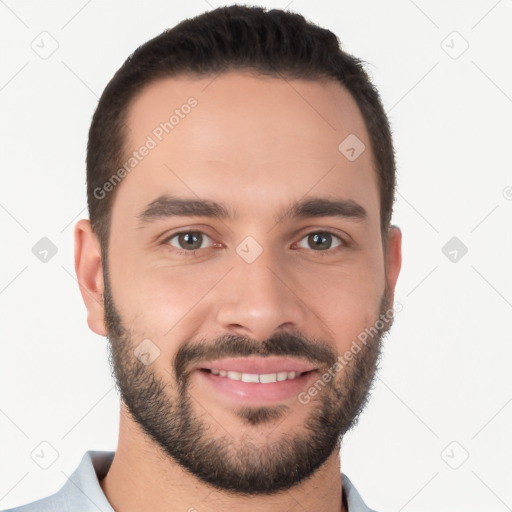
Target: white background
x=446 y=368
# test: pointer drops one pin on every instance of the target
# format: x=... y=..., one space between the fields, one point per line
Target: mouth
x=262 y=378
x=256 y=381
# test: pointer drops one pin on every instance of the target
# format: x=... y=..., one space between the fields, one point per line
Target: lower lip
x=256 y=393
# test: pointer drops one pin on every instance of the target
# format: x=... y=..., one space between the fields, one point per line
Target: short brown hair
x=275 y=43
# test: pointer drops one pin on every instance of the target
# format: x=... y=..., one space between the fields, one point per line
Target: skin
x=256 y=144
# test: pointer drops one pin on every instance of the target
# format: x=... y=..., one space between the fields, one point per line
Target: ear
x=89 y=272
x=393 y=255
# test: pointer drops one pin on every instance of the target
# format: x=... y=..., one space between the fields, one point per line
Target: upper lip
x=258 y=365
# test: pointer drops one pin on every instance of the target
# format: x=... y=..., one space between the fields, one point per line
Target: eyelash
x=343 y=243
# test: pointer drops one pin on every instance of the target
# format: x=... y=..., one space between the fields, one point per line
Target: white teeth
x=250 y=377
x=254 y=377
x=268 y=377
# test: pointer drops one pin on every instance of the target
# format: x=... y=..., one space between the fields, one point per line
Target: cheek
x=158 y=301
x=346 y=297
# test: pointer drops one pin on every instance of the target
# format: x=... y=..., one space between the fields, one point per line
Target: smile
x=264 y=378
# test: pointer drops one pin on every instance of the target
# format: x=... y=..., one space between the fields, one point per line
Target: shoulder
x=82 y=490
x=354 y=501
x=53 y=503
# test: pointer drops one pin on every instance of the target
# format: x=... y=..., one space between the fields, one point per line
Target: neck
x=143 y=477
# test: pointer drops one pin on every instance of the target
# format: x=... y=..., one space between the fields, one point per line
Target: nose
x=259 y=299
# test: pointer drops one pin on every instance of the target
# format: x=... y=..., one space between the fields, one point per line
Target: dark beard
x=246 y=469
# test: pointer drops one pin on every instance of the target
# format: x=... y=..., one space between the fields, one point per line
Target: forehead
x=242 y=136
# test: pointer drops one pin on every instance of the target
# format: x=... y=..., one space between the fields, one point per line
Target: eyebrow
x=167 y=206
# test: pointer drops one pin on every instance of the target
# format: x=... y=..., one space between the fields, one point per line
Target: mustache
x=231 y=345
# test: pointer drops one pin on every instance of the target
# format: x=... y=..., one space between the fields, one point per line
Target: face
x=245 y=262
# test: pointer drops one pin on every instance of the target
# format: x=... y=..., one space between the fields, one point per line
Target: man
x=241 y=261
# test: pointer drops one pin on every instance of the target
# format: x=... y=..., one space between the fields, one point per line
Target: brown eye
x=188 y=240
x=321 y=241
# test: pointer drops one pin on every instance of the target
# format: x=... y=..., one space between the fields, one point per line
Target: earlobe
x=89 y=272
x=393 y=257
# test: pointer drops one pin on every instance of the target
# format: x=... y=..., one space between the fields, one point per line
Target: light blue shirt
x=83 y=493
